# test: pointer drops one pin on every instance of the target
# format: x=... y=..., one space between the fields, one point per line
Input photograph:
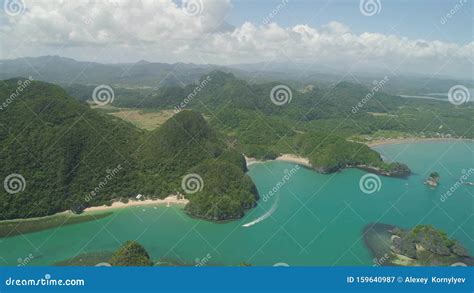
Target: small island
x=424 y=245
x=433 y=180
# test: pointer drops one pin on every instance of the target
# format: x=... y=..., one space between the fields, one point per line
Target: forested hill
x=71 y=156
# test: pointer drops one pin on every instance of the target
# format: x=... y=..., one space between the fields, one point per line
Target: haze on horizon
x=342 y=35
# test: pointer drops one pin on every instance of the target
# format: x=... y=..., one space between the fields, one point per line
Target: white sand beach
x=294 y=159
x=291 y=158
x=172 y=200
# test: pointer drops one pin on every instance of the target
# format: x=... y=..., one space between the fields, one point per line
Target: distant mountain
x=67 y=71
x=145 y=74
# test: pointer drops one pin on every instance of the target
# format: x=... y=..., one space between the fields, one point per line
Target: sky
x=401 y=36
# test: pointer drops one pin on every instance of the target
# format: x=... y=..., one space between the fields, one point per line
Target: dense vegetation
x=329 y=153
x=245 y=114
x=426 y=245
x=217 y=201
x=131 y=253
x=45 y=134
x=73 y=157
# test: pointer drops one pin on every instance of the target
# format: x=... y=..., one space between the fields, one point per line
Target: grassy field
x=144 y=120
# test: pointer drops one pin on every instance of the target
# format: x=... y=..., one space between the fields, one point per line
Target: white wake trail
x=264 y=216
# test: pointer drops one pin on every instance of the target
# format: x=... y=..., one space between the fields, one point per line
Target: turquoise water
x=312 y=219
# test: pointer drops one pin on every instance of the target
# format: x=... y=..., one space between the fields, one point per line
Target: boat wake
x=264 y=216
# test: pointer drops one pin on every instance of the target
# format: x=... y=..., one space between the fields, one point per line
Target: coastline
x=381 y=142
x=171 y=200
x=290 y=158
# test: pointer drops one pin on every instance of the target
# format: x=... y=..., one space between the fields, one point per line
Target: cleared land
x=144 y=120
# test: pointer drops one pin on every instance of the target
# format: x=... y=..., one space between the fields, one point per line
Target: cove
x=311 y=219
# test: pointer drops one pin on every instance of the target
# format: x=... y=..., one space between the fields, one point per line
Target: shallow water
x=318 y=219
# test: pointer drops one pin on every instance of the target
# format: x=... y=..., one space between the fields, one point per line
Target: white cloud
x=160 y=30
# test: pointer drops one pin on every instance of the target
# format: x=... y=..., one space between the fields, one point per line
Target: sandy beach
x=251 y=161
x=294 y=159
x=375 y=143
x=291 y=158
x=172 y=200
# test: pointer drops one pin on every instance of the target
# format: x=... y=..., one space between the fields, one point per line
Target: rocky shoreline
x=421 y=246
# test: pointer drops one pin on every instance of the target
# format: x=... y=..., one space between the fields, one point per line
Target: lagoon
x=310 y=219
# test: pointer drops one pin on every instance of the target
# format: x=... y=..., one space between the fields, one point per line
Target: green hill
x=63 y=149
x=73 y=157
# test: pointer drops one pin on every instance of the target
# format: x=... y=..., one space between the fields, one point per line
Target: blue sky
x=405 y=36
x=414 y=19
